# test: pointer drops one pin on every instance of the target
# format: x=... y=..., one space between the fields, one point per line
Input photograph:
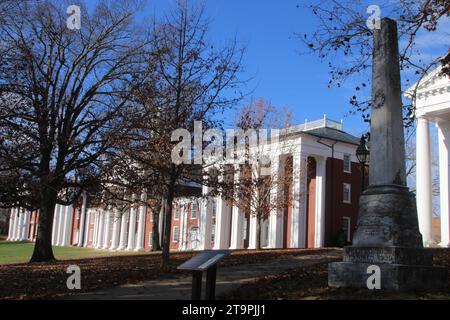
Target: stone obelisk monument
x=387 y=232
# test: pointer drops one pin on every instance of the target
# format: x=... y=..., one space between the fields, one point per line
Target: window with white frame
x=347 y=163
x=150 y=239
x=194 y=210
x=176 y=234
x=176 y=213
x=346 y=225
x=347 y=193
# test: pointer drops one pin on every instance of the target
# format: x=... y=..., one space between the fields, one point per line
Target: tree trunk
x=258 y=233
x=43 y=251
x=156 y=210
x=168 y=223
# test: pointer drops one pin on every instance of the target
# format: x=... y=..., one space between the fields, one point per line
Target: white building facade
x=432 y=105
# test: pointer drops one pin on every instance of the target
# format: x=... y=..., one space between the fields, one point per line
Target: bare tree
x=343 y=39
x=60 y=92
x=186 y=82
x=254 y=189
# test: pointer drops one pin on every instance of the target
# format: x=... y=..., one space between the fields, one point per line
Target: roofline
x=336 y=140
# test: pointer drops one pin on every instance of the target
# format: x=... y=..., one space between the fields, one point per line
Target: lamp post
x=362 y=153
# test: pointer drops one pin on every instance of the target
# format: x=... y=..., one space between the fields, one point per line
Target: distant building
x=325 y=215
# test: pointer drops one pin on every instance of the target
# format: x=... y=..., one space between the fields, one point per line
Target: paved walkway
x=178 y=287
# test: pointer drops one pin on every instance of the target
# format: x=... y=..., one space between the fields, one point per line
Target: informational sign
x=204 y=260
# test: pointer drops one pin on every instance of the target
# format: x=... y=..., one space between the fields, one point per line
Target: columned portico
x=431 y=99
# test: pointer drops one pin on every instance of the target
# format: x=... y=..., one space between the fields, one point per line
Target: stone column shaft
x=298 y=231
x=123 y=230
x=423 y=181
x=319 y=238
x=444 y=181
x=141 y=223
x=132 y=227
x=107 y=230
x=116 y=230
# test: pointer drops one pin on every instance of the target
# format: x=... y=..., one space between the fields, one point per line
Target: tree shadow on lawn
x=48 y=280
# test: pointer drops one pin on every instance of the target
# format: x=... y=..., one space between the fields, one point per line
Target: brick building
x=324 y=214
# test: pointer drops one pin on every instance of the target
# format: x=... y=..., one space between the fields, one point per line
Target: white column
x=141 y=223
x=82 y=231
x=20 y=225
x=223 y=211
x=275 y=236
x=182 y=242
x=67 y=231
x=237 y=221
x=16 y=225
x=123 y=230
x=61 y=213
x=87 y=227
x=319 y=238
x=423 y=181
x=298 y=231
x=116 y=230
x=101 y=228
x=444 y=181
x=55 y=226
x=205 y=220
x=132 y=227
x=253 y=220
x=107 y=229
x=94 y=237
x=11 y=224
x=26 y=224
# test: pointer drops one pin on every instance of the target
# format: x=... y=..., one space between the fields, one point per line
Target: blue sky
x=279 y=73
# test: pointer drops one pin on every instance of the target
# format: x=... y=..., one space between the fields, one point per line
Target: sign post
x=204 y=261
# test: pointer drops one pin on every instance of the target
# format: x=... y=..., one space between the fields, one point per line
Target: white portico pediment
x=432 y=94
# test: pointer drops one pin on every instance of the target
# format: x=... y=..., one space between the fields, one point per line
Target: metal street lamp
x=362 y=153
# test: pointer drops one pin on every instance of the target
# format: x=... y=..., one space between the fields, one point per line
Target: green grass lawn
x=14 y=252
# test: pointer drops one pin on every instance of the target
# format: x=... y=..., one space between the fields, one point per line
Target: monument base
x=397 y=277
x=387 y=236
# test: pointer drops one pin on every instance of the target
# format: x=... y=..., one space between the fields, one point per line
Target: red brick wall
x=335 y=208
